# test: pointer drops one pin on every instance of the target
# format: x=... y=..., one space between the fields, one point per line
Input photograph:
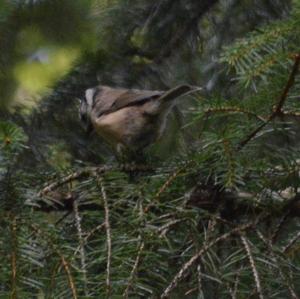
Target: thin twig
x=167 y=183
x=192 y=290
x=91 y=172
x=68 y=272
x=86 y=172
x=52 y=279
x=291 y=113
x=108 y=236
x=283 y=220
x=81 y=246
x=291 y=242
x=199 y=286
x=236 y=283
x=233 y=110
x=163 y=229
x=288 y=86
x=253 y=266
x=275 y=259
x=98 y=227
x=14 y=257
x=278 y=109
x=187 y=266
x=171 y=179
x=199 y=280
x=64 y=262
x=134 y=270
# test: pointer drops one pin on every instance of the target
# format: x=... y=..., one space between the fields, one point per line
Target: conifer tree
x=217 y=218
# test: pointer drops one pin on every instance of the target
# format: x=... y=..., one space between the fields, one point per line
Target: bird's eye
x=83 y=117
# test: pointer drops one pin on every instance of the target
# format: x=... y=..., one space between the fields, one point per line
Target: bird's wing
x=108 y=100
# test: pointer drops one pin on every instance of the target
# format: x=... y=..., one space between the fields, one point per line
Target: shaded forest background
x=217 y=216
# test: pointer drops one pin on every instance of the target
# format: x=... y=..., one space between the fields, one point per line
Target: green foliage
x=217 y=219
x=12 y=137
x=265 y=52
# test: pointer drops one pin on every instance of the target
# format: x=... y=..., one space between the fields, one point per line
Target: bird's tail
x=178 y=91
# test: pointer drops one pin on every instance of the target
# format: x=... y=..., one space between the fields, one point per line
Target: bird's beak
x=194 y=89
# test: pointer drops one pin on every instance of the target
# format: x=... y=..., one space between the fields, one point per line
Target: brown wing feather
x=108 y=100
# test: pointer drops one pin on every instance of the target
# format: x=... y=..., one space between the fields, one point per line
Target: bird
x=129 y=119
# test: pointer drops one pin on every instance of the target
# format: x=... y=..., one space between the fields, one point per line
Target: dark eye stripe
x=83 y=117
x=83 y=99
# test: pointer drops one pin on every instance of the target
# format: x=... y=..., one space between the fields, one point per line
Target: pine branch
x=108 y=236
x=64 y=262
x=86 y=172
x=85 y=239
x=164 y=229
x=291 y=113
x=91 y=172
x=275 y=259
x=134 y=269
x=199 y=283
x=234 y=110
x=288 y=86
x=14 y=294
x=69 y=275
x=190 y=263
x=241 y=207
x=284 y=219
x=278 y=108
x=167 y=183
x=81 y=246
x=233 y=292
x=253 y=266
x=291 y=242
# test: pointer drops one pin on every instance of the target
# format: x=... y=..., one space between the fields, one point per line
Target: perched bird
x=129 y=119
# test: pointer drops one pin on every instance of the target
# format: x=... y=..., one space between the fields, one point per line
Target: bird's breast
x=120 y=126
x=134 y=127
